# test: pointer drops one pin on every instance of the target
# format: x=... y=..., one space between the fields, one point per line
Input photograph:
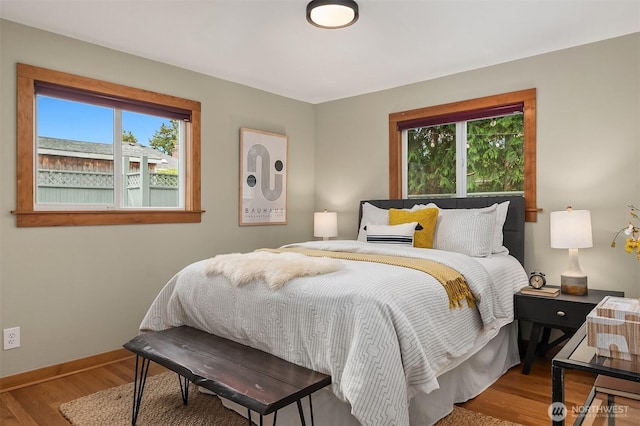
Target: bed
x=401 y=346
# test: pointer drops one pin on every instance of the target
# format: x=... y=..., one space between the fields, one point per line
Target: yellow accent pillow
x=427 y=218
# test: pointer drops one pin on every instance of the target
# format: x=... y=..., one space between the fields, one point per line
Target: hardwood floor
x=525 y=398
x=515 y=397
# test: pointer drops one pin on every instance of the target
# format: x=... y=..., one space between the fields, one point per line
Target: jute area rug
x=162 y=405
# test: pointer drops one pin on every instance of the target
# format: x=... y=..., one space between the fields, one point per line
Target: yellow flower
x=632 y=242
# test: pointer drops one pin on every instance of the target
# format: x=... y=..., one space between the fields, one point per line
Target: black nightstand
x=563 y=312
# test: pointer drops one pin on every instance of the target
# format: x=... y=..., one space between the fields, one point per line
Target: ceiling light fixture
x=332 y=13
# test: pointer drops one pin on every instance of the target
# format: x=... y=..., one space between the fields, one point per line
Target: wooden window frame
x=27 y=216
x=526 y=97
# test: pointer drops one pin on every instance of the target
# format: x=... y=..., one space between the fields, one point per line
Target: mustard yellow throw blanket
x=453 y=282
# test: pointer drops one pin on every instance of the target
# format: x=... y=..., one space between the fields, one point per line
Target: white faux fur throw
x=276 y=269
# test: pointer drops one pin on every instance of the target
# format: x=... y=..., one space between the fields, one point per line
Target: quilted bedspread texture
x=382 y=332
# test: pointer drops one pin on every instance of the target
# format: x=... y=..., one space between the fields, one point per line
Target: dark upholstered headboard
x=513 y=229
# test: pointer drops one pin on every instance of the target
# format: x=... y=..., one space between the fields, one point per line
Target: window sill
x=90 y=218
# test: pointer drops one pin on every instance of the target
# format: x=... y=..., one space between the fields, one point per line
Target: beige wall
x=79 y=291
x=588 y=141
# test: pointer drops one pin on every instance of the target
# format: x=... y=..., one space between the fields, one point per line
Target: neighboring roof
x=82 y=149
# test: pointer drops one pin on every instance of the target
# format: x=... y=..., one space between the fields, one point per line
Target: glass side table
x=577 y=355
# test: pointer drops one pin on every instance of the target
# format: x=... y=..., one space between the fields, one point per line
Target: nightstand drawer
x=565 y=312
x=552 y=312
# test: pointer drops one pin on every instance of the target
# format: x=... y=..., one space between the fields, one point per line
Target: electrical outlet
x=11 y=338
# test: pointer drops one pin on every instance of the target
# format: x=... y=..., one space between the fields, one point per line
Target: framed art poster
x=263 y=178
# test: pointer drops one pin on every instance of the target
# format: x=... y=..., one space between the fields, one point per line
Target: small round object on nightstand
x=537 y=280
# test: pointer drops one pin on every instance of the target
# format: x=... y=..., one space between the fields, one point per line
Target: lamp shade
x=325 y=224
x=332 y=13
x=571 y=229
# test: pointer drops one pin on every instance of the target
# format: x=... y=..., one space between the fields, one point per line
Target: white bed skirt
x=464 y=382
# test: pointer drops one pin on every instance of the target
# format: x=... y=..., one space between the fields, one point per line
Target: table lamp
x=325 y=224
x=571 y=229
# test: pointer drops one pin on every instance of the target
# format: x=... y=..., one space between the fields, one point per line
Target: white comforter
x=382 y=332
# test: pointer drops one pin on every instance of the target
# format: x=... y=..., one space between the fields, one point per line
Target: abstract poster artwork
x=263 y=178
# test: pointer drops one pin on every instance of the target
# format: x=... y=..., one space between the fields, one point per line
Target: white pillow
x=392 y=234
x=501 y=217
x=373 y=215
x=377 y=216
x=467 y=231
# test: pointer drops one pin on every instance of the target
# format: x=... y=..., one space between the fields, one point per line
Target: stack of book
x=544 y=291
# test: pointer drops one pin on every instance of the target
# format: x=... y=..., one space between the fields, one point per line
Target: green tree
x=495 y=154
x=432 y=160
x=165 y=139
x=495 y=157
x=128 y=137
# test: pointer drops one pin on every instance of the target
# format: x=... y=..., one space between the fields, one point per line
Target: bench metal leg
x=138 y=386
x=302 y=422
x=275 y=414
x=302 y=418
x=275 y=417
x=184 y=388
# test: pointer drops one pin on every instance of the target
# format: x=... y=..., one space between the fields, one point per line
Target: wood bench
x=252 y=378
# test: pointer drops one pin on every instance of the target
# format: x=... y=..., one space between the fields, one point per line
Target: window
x=476 y=147
x=97 y=153
x=465 y=155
